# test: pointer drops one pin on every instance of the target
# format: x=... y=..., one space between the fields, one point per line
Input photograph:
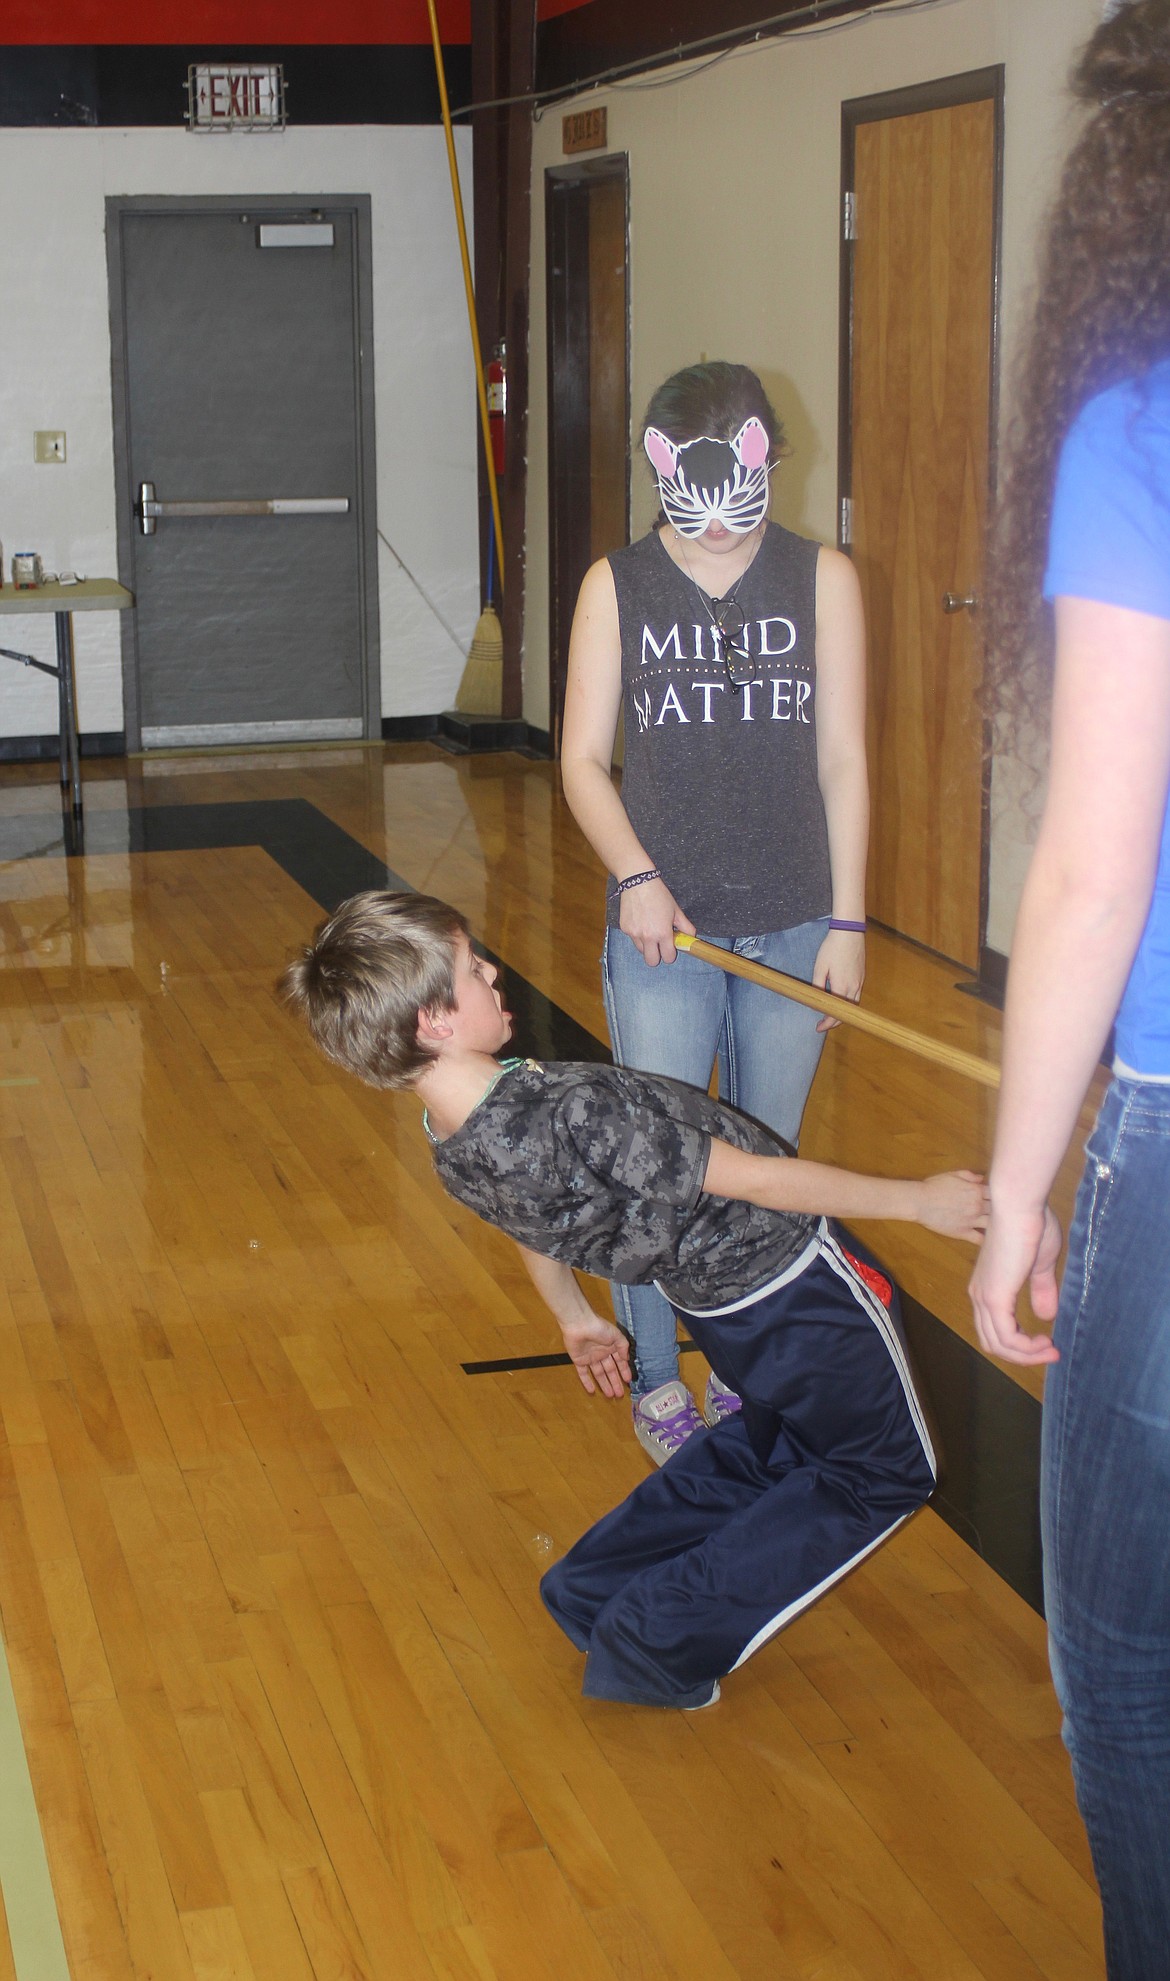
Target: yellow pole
x=469 y=286
x=889 y=1029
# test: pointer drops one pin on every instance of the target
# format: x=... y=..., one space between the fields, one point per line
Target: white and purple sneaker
x=664 y=1419
x=719 y=1403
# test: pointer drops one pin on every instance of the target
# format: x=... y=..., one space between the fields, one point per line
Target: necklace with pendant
x=728 y=620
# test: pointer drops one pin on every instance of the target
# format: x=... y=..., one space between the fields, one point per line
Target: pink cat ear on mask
x=750 y=445
x=661 y=452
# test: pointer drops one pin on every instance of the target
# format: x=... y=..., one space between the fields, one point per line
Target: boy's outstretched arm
x=598 y=1351
x=954 y=1203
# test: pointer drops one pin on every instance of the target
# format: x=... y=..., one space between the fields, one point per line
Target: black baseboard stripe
x=468 y=735
x=458 y=733
x=47 y=749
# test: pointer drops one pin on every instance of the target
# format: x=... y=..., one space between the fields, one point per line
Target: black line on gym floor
x=510 y=1365
x=987 y=1429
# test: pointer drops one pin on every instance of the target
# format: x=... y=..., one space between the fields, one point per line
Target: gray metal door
x=238 y=386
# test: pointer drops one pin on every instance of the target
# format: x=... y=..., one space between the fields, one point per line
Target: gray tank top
x=720 y=783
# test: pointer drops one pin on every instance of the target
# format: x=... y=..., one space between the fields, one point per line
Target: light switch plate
x=48 y=447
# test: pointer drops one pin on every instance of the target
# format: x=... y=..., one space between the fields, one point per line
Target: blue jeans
x=1106 y=1513
x=676 y=1018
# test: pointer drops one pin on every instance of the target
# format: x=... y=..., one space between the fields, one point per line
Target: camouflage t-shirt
x=603 y=1168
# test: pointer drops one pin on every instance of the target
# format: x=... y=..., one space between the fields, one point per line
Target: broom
x=481 y=691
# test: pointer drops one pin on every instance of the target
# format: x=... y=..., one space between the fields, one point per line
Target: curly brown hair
x=1102 y=317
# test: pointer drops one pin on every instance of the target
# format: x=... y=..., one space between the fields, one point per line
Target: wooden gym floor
x=290 y=1704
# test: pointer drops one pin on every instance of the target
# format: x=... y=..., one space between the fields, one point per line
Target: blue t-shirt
x=1110 y=541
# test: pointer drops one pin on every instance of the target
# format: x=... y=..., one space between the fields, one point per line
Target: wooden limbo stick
x=970 y=1063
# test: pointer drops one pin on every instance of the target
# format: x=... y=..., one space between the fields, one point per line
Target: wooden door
x=588 y=386
x=919 y=415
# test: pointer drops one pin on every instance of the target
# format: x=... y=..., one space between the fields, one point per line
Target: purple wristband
x=849 y=928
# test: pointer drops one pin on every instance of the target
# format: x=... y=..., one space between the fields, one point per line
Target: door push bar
x=148 y=509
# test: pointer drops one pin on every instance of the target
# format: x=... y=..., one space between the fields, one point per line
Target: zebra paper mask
x=709 y=481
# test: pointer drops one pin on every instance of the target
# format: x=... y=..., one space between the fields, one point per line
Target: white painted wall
x=55 y=372
x=734 y=191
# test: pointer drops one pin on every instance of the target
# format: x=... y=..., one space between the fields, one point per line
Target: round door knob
x=960 y=601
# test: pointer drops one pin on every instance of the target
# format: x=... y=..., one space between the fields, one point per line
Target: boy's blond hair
x=368 y=972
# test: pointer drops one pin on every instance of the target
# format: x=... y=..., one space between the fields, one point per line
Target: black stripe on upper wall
x=131 y=87
x=588 y=40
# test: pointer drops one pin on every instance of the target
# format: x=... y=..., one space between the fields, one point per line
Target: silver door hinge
x=846 y=521
x=850 y=216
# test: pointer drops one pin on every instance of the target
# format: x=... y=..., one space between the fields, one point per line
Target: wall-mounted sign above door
x=235 y=96
x=584 y=130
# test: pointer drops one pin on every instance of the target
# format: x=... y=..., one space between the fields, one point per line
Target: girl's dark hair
x=1102 y=317
x=713 y=400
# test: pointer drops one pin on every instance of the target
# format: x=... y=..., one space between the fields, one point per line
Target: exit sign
x=235 y=96
x=584 y=131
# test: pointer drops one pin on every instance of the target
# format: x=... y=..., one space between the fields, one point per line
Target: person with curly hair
x=1085 y=524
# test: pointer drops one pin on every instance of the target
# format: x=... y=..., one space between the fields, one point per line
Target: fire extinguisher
x=496 y=381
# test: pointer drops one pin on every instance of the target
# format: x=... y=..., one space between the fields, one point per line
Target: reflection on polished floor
x=290 y=1703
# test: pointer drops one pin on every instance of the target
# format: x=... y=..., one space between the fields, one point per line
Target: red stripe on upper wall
x=227 y=23
x=546 y=10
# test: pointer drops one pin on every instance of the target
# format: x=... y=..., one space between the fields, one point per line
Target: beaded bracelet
x=635 y=880
x=849 y=928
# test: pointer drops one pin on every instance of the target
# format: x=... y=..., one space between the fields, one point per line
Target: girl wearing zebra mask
x=735 y=651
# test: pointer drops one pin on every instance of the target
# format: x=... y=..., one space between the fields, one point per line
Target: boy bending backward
x=641 y=1179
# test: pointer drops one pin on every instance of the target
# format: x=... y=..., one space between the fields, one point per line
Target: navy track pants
x=750 y=1522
